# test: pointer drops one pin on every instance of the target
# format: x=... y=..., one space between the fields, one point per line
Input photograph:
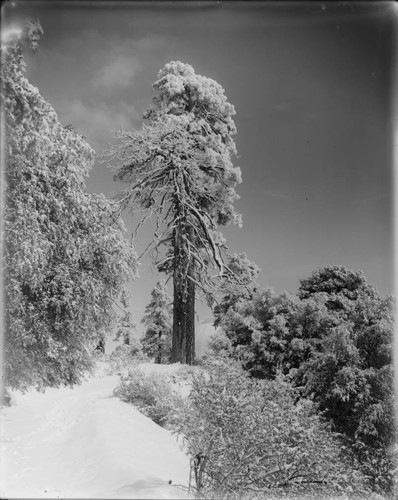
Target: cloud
x=97 y=122
x=10 y=33
x=118 y=61
x=112 y=67
x=118 y=72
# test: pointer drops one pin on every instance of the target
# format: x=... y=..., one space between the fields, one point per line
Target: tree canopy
x=179 y=172
x=157 y=320
x=65 y=262
x=334 y=341
x=243 y=286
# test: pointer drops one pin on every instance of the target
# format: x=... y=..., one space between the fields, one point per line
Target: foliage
x=220 y=344
x=179 y=172
x=247 y=436
x=65 y=263
x=339 y=283
x=351 y=374
x=355 y=391
x=125 y=328
x=151 y=394
x=335 y=342
x=261 y=331
x=156 y=341
x=125 y=356
x=243 y=285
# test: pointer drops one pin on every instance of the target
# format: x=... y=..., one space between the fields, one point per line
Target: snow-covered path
x=84 y=443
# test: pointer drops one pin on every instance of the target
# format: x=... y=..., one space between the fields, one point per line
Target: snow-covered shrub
x=124 y=357
x=220 y=344
x=151 y=394
x=250 y=437
x=182 y=379
x=187 y=372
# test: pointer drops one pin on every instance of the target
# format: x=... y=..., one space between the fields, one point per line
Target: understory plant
x=126 y=356
x=151 y=394
x=254 y=439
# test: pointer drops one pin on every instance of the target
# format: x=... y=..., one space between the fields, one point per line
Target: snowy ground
x=84 y=443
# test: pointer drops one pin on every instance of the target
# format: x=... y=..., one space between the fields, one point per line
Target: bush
x=381 y=466
x=335 y=341
x=220 y=344
x=248 y=438
x=150 y=394
x=124 y=357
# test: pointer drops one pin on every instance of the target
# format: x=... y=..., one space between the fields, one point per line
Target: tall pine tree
x=156 y=341
x=179 y=170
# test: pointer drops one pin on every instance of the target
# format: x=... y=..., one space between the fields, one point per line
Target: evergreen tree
x=243 y=285
x=64 y=262
x=336 y=281
x=350 y=374
x=125 y=328
x=334 y=341
x=156 y=340
x=178 y=169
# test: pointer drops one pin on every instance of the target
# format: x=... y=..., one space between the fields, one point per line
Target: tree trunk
x=159 y=356
x=183 y=344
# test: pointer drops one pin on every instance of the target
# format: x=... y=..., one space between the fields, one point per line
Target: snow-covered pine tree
x=156 y=341
x=65 y=262
x=179 y=171
x=125 y=329
x=242 y=288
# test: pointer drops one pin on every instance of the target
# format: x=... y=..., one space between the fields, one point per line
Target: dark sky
x=312 y=85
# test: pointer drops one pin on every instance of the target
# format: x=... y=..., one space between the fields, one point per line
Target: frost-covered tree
x=342 y=286
x=158 y=319
x=125 y=328
x=242 y=287
x=334 y=341
x=350 y=373
x=179 y=171
x=64 y=262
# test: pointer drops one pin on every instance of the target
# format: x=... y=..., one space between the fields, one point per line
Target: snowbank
x=84 y=443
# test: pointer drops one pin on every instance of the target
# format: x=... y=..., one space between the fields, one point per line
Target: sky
x=313 y=88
